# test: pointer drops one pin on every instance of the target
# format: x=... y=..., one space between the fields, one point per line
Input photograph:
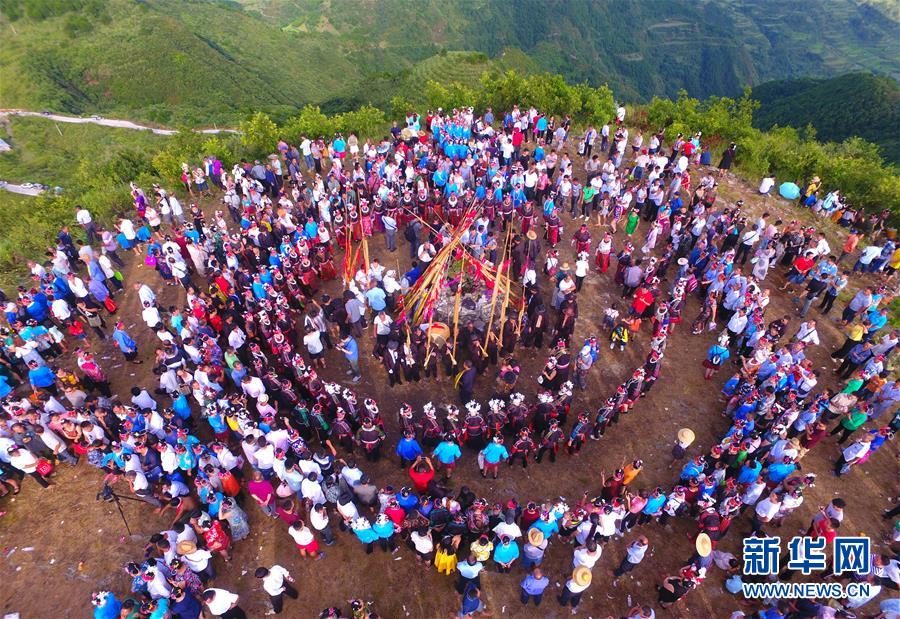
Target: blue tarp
x=789 y=191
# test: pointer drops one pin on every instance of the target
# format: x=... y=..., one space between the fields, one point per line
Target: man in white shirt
x=252 y=386
x=276 y=581
x=587 y=555
x=807 y=333
x=199 y=560
x=60 y=310
x=151 y=316
x=509 y=528
x=634 y=554
x=83 y=217
x=145 y=294
x=26 y=462
x=223 y=603
x=765 y=511
x=157 y=586
x=141 y=487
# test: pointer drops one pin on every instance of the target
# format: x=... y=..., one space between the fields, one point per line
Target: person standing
x=467 y=381
x=223 y=603
x=634 y=555
x=533 y=587
x=469 y=573
x=276 y=581
x=574 y=588
x=83 y=217
x=390 y=231
x=350 y=348
x=23 y=460
x=125 y=343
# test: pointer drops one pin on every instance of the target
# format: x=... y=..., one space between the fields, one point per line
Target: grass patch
x=48 y=152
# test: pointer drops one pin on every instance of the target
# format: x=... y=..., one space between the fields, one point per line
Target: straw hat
x=704 y=545
x=531 y=234
x=582 y=576
x=685 y=436
x=186 y=547
x=535 y=536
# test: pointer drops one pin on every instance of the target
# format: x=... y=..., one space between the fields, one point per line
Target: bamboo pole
x=497 y=283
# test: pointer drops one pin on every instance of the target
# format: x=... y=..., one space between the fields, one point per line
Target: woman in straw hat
x=575 y=587
x=683 y=440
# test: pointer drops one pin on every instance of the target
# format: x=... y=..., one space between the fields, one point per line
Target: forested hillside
x=196 y=61
x=858 y=104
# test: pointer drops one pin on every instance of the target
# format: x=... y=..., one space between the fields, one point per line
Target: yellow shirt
x=630 y=474
x=482 y=553
x=856 y=331
x=894 y=261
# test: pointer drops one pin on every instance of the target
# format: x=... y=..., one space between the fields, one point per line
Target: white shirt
x=198 y=561
x=587 y=559
x=273 y=583
x=146 y=295
x=83 y=216
x=807 y=334
x=223 y=600
x=636 y=552
x=856 y=450
x=510 y=530
x=159 y=586
x=151 y=316
x=302 y=536
x=766 y=509
x=254 y=387
x=574 y=587
x=60 y=309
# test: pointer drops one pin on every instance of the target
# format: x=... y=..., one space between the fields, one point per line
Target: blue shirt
x=188 y=608
x=780 y=472
x=352 y=349
x=533 y=586
x=41 y=376
x=546 y=527
x=408 y=448
x=654 y=504
x=447 y=452
x=375 y=297
x=494 y=453
x=126 y=344
x=749 y=474
x=504 y=553
x=691 y=469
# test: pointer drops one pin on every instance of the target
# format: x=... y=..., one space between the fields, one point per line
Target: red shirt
x=819 y=531
x=804 y=264
x=396 y=514
x=642 y=300
x=420 y=479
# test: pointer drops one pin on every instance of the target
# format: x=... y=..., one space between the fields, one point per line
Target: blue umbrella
x=789 y=191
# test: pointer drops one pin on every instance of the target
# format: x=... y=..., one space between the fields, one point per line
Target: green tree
x=259 y=134
x=400 y=107
x=311 y=122
x=597 y=104
x=436 y=95
x=366 y=121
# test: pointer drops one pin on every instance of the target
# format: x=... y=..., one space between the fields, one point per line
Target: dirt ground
x=59 y=545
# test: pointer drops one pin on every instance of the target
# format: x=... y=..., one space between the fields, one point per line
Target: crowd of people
x=241 y=423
